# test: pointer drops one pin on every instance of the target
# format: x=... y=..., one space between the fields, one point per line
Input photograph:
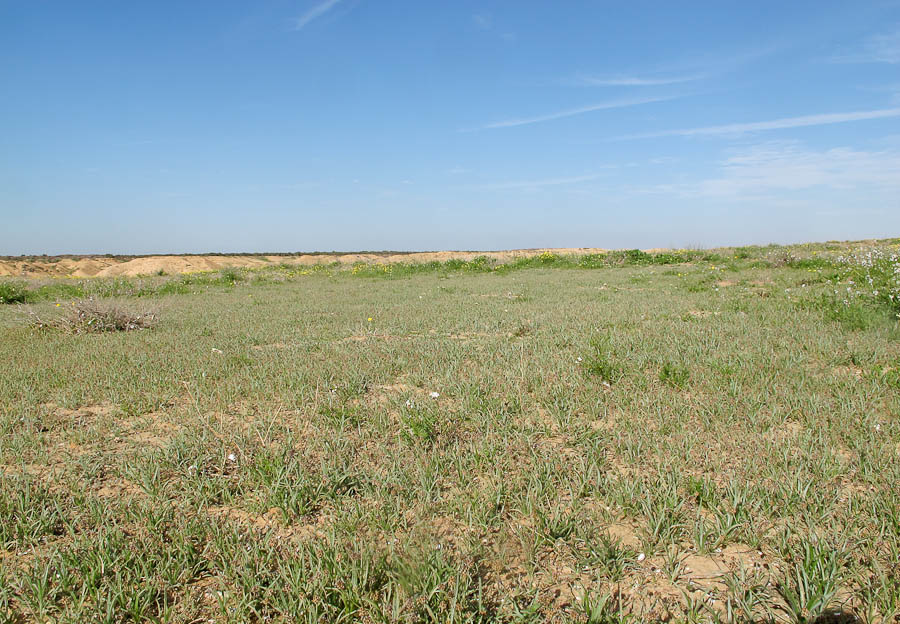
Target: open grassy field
x=693 y=436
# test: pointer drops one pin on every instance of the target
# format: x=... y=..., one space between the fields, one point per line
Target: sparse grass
x=622 y=437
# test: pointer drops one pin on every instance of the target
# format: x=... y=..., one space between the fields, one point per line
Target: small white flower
x=434 y=395
x=409 y=403
x=877 y=426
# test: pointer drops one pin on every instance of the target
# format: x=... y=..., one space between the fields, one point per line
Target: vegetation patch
x=13 y=292
x=617 y=437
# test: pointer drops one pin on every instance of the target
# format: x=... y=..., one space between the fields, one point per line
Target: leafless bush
x=782 y=258
x=89 y=316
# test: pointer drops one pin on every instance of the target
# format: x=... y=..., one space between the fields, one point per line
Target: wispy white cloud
x=635 y=81
x=485 y=22
x=885 y=48
x=780 y=167
x=540 y=183
x=775 y=124
x=678 y=71
x=892 y=89
x=524 y=121
x=482 y=21
x=315 y=12
x=881 y=48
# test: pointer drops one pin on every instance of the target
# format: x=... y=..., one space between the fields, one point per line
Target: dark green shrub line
x=19 y=292
x=483 y=264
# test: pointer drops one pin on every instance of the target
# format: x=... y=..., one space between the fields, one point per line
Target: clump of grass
x=674 y=375
x=230 y=275
x=93 y=317
x=422 y=426
x=812 y=583
x=556 y=524
x=600 y=363
x=607 y=555
x=523 y=330
x=604 y=607
x=13 y=292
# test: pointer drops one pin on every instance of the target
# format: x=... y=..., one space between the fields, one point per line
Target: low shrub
x=89 y=317
x=13 y=292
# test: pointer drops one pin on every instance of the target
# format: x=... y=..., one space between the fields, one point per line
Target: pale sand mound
x=149 y=265
x=178 y=264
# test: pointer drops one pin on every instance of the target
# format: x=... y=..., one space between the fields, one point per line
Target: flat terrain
x=631 y=437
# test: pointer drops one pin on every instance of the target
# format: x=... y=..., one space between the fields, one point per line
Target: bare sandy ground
x=104 y=266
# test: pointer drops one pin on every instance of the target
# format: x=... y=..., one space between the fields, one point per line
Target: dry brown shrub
x=88 y=317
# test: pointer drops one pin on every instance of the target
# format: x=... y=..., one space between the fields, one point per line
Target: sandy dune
x=104 y=266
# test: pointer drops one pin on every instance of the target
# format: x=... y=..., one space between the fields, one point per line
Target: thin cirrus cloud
x=686 y=70
x=524 y=121
x=779 y=167
x=882 y=48
x=314 y=13
x=775 y=124
x=635 y=81
x=536 y=184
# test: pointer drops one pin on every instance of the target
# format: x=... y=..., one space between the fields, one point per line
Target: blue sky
x=159 y=127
